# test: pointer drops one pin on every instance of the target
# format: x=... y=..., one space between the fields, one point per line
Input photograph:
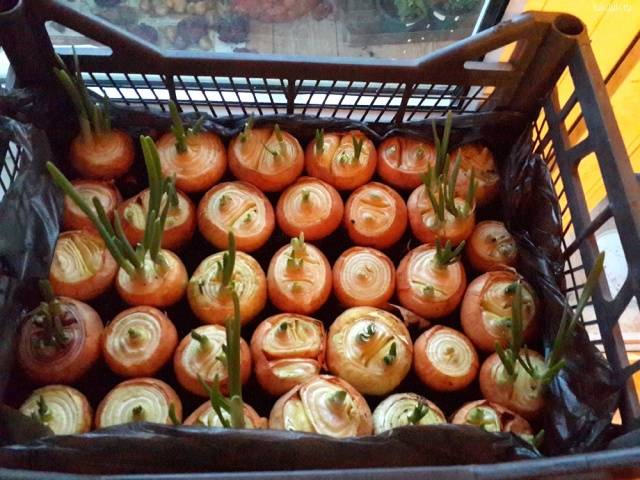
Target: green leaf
x=418 y=413
x=319 y=136
x=390 y=357
x=178 y=128
x=172 y=415
x=368 y=333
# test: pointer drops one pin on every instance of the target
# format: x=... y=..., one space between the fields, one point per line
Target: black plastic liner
x=581 y=399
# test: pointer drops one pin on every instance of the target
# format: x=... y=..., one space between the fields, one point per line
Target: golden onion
x=403 y=409
x=63 y=409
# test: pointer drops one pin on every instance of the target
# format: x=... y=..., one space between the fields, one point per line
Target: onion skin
x=525 y=396
x=478 y=322
x=205 y=413
x=454 y=375
x=189 y=348
x=154 y=346
x=491 y=247
x=327 y=166
x=417 y=269
x=69 y=363
x=317 y=217
x=160 y=391
x=248 y=214
x=400 y=162
x=421 y=216
x=61 y=400
x=507 y=421
x=197 y=169
x=320 y=416
x=178 y=230
x=249 y=161
x=356 y=289
x=155 y=290
x=362 y=362
x=406 y=402
x=269 y=362
x=480 y=159
x=212 y=306
x=302 y=290
x=107 y=157
x=74 y=219
x=101 y=265
x=375 y=216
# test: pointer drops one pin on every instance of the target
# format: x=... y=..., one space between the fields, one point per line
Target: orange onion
x=63 y=409
x=323 y=404
x=375 y=216
x=311 y=207
x=107 y=194
x=138 y=342
x=337 y=164
x=206 y=416
x=264 y=160
x=493 y=418
x=402 y=409
x=287 y=349
x=486 y=310
x=370 y=348
x=238 y=207
x=82 y=267
x=363 y=276
x=104 y=156
x=478 y=158
x=491 y=247
x=401 y=161
x=444 y=359
x=197 y=169
x=200 y=354
x=139 y=399
x=212 y=303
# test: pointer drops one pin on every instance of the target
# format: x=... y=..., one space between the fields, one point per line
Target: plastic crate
x=377 y=91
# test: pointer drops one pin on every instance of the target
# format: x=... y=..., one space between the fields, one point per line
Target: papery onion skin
x=356 y=289
x=189 y=357
x=327 y=166
x=346 y=350
x=106 y=157
x=210 y=306
x=153 y=348
x=157 y=289
x=421 y=216
x=479 y=158
x=364 y=205
x=137 y=392
x=205 y=416
x=249 y=161
x=294 y=216
x=69 y=364
x=525 y=396
x=491 y=247
x=477 y=321
x=307 y=356
x=360 y=411
x=244 y=199
x=436 y=368
x=179 y=227
x=418 y=269
x=101 y=266
x=314 y=280
x=107 y=194
x=508 y=421
x=386 y=415
x=61 y=400
x=400 y=164
x=197 y=169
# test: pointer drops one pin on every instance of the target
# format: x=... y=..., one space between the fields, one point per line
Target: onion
x=194 y=359
x=493 y=418
x=401 y=161
x=363 y=277
x=491 y=246
x=138 y=399
x=138 y=342
x=403 y=409
x=82 y=267
x=323 y=404
x=212 y=304
x=104 y=157
x=486 y=310
x=238 y=207
x=206 y=416
x=107 y=194
x=444 y=359
x=369 y=348
x=65 y=411
x=287 y=350
x=480 y=159
x=375 y=216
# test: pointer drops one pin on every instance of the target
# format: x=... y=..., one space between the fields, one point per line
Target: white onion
x=68 y=409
